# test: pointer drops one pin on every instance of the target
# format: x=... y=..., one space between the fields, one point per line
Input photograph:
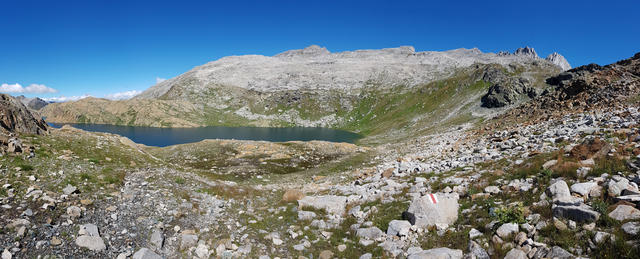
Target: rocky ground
x=565 y=186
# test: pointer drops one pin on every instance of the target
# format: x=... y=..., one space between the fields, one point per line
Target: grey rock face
x=427 y=213
x=316 y=68
x=15 y=117
x=508 y=92
x=558 y=60
x=437 y=253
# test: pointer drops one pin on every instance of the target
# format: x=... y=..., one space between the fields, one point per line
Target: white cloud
x=63 y=98
x=114 y=96
x=122 y=95
x=31 y=89
x=160 y=80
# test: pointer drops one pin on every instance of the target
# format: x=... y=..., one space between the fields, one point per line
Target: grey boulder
x=580 y=213
x=443 y=212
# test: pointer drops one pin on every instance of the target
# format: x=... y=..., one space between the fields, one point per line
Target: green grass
x=608 y=165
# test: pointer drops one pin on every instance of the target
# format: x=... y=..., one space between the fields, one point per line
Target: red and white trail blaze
x=434 y=199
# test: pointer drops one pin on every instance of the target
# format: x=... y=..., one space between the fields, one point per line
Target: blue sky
x=106 y=47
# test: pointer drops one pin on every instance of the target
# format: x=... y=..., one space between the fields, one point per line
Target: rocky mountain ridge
x=359 y=91
x=315 y=68
x=33 y=103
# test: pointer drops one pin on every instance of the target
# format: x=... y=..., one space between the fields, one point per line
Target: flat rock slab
x=437 y=253
x=92 y=243
x=580 y=213
x=625 y=212
x=583 y=188
x=145 y=253
x=332 y=204
x=435 y=209
x=369 y=233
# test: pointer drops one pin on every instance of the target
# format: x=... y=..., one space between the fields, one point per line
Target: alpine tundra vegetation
x=465 y=154
x=474 y=153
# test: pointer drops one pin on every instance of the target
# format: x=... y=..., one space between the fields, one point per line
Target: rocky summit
x=464 y=155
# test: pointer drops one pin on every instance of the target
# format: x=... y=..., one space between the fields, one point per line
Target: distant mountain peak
x=526 y=52
x=558 y=60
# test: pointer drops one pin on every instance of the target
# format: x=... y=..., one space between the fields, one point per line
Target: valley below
x=456 y=154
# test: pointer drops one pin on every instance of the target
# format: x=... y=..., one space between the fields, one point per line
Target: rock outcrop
x=558 y=60
x=15 y=117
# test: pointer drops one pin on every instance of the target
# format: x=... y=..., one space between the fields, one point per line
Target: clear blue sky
x=103 y=47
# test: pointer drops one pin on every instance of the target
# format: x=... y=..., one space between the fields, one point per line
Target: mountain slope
x=366 y=91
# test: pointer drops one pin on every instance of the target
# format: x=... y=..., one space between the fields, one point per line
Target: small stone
x=473 y=233
x=589 y=227
x=341 y=248
x=369 y=233
x=520 y=238
x=559 y=224
x=507 y=229
x=188 y=240
x=70 y=189
x=549 y=164
x=55 y=241
x=399 y=228
x=6 y=254
x=326 y=254
x=74 y=212
x=600 y=237
x=516 y=254
x=492 y=189
x=306 y=215
x=631 y=228
x=156 y=240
